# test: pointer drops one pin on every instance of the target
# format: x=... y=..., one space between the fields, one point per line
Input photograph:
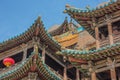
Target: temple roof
x=67 y=33
x=67 y=39
x=100 y=53
x=37 y=29
x=30 y=65
x=103 y=9
x=84 y=17
x=82 y=38
x=63 y=28
x=57 y=30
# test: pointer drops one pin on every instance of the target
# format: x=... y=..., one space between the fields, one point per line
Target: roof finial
x=67 y=6
x=38 y=19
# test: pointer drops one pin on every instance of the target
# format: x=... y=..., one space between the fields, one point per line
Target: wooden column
x=110 y=32
x=97 y=37
x=35 y=44
x=93 y=76
x=24 y=48
x=43 y=54
x=24 y=54
x=113 y=74
x=36 y=48
x=65 y=73
x=92 y=70
x=111 y=64
x=77 y=74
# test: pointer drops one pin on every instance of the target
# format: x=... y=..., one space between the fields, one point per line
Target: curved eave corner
x=76 y=10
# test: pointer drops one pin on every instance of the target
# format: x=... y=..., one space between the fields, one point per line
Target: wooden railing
x=55 y=72
x=116 y=38
x=104 y=67
x=100 y=64
x=59 y=75
x=104 y=42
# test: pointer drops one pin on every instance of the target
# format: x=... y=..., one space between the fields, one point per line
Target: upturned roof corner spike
x=38 y=23
x=65 y=11
x=67 y=6
x=38 y=20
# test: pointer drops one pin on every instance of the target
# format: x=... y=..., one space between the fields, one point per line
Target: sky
x=16 y=16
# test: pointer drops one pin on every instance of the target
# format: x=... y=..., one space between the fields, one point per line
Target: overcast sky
x=18 y=15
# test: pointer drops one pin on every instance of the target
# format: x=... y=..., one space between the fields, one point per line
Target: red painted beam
x=71 y=59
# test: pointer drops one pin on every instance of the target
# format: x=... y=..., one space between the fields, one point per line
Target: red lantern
x=8 y=62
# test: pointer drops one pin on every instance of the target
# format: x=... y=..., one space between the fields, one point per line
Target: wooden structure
x=67 y=52
x=102 y=23
x=34 y=55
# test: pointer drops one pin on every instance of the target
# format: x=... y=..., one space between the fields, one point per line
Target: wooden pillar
x=77 y=74
x=111 y=64
x=92 y=70
x=65 y=73
x=97 y=37
x=110 y=32
x=43 y=54
x=24 y=48
x=24 y=54
x=113 y=74
x=35 y=42
x=93 y=76
x=36 y=47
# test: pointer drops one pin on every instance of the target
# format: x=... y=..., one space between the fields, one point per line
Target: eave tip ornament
x=67 y=6
x=8 y=62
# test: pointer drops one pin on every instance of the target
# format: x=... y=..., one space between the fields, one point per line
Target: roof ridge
x=68 y=7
